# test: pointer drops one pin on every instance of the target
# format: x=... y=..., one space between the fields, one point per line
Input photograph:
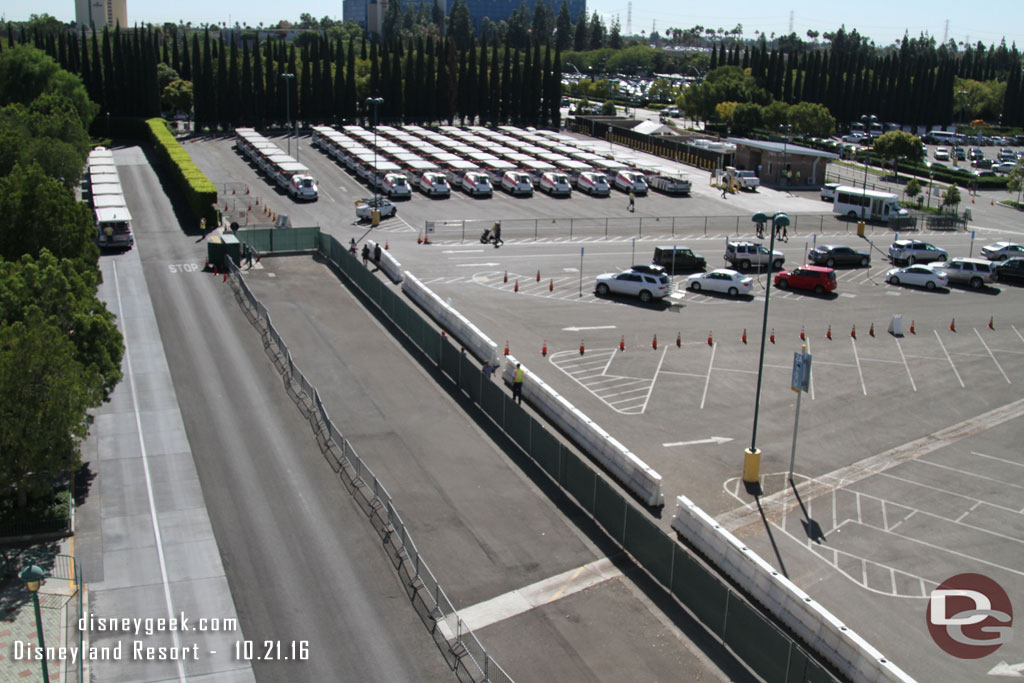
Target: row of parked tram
x=478 y=160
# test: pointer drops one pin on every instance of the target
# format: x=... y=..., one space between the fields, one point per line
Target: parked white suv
x=477 y=184
x=593 y=183
x=434 y=184
x=743 y=255
x=554 y=182
x=646 y=285
x=975 y=272
x=631 y=180
x=517 y=182
x=916 y=251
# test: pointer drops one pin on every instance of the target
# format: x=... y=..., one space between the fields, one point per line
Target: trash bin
x=860 y=228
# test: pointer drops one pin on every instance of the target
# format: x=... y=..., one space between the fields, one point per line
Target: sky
x=882 y=21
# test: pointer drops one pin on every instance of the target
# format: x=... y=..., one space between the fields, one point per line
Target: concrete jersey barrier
x=388 y=263
x=853 y=656
x=633 y=472
x=451 y=320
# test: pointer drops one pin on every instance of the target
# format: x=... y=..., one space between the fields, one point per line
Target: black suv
x=674 y=259
x=1011 y=270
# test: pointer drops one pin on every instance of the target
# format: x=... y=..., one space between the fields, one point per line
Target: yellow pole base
x=751 y=466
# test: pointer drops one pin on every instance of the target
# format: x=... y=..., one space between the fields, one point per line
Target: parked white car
x=721 y=280
x=920 y=275
x=593 y=183
x=631 y=180
x=477 y=184
x=647 y=286
x=434 y=184
x=555 y=183
x=517 y=183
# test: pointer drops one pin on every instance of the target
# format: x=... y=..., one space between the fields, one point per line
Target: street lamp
x=786 y=130
x=752 y=455
x=375 y=211
x=288 y=108
x=963 y=104
x=864 y=198
x=33 y=576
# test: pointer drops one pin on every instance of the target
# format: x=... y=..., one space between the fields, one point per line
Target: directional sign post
x=800 y=384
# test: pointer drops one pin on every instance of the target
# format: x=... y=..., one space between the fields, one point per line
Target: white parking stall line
x=1018 y=333
x=453 y=280
x=622 y=393
x=654 y=379
x=968 y=473
x=905 y=364
x=992 y=355
x=707 y=380
x=606 y=379
x=853 y=343
x=955 y=372
x=992 y=457
x=611 y=357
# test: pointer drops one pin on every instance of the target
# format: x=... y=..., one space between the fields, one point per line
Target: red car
x=817 y=279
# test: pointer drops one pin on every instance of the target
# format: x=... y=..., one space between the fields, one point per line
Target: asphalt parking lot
x=907 y=462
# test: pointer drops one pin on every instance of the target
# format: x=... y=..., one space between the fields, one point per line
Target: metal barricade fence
x=461 y=648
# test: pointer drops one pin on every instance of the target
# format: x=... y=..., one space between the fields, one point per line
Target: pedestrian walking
x=517 y=384
x=376 y=255
x=725 y=190
x=366 y=254
x=785 y=233
x=632 y=201
x=496 y=236
x=352 y=246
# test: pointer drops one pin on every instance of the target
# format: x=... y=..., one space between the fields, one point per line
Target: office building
x=96 y=14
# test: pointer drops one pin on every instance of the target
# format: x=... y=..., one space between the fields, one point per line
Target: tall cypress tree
x=350 y=81
x=233 y=103
x=305 y=99
x=494 y=106
x=246 y=114
x=223 y=98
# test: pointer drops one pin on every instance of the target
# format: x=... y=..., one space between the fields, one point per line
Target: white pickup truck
x=746 y=180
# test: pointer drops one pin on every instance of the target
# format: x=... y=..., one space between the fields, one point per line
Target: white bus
x=857 y=203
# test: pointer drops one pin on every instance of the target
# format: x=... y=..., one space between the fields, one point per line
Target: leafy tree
x=776 y=114
x=748 y=116
x=1015 y=181
x=46 y=215
x=724 y=111
x=724 y=84
x=952 y=198
x=177 y=96
x=896 y=145
x=165 y=75
x=662 y=90
x=810 y=118
x=26 y=73
x=913 y=188
x=608 y=108
x=460 y=28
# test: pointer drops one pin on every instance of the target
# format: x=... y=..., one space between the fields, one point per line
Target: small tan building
x=782 y=164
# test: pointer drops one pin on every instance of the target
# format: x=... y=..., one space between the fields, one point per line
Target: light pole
x=963 y=105
x=864 y=199
x=786 y=130
x=33 y=576
x=375 y=211
x=288 y=106
x=752 y=455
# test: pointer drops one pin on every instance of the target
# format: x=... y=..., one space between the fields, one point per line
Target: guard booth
x=219 y=247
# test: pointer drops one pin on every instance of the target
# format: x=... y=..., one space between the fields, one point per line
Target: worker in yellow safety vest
x=517 y=384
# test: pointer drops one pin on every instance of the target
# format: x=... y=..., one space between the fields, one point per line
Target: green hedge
x=200 y=193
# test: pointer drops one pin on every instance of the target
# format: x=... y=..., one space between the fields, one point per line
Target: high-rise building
x=355 y=11
x=96 y=14
x=370 y=13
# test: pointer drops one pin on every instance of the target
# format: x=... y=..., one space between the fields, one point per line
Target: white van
x=627 y=180
x=435 y=184
x=828 y=192
x=593 y=183
x=477 y=184
x=396 y=186
x=555 y=183
x=517 y=182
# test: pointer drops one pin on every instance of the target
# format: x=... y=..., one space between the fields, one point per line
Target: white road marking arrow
x=1004 y=669
x=463 y=265
x=714 y=439
x=597 y=327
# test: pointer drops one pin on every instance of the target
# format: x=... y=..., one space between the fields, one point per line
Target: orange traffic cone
x=622 y=343
x=853 y=332
x=871 y=330
x=544 y=349
x=803 y=334
x=952 y=325
x=991 y=323
x=426 y=239
x=679 y=339
x=744 y=337
x=912 y=331
x=386 y=245
x=582 y=349
x=419 y=240
x=654 y=343
x=711 y=341
x=506 y=347
x=516 y=288
x=828 y=333
x=771 y=337
x=551 y=285
x=538 y=276
x=506 y=276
